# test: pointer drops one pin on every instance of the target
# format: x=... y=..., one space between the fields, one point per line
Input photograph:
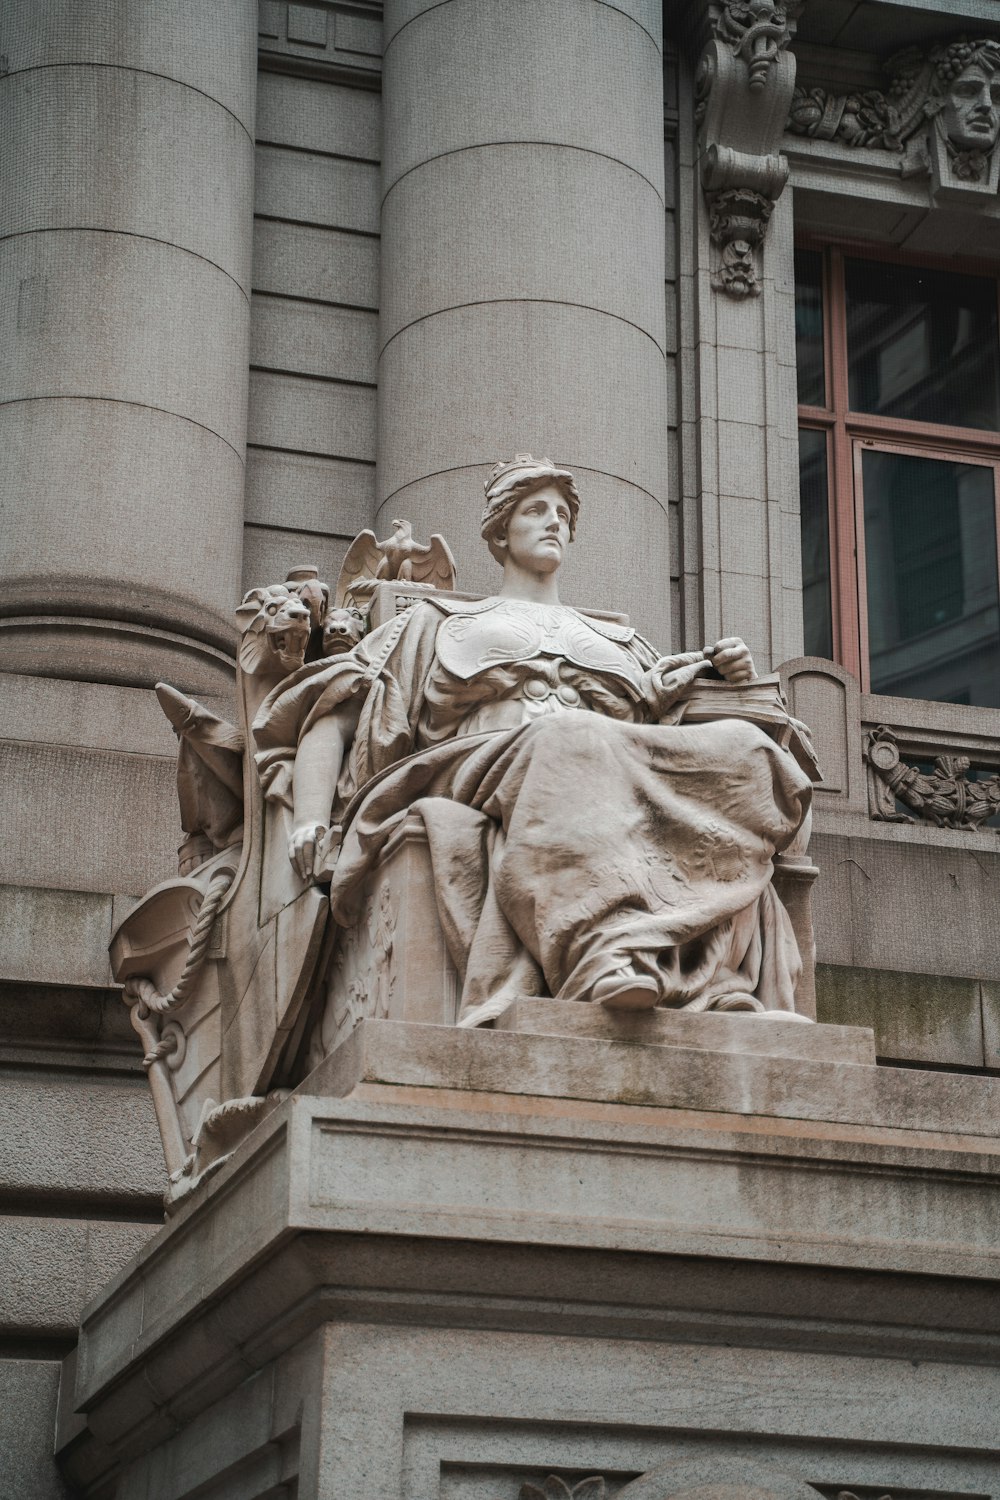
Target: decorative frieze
x=940 y=113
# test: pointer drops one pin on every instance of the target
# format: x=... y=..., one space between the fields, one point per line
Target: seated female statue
x=581 y=846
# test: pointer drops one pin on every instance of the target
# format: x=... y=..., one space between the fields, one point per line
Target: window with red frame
x=899 y=446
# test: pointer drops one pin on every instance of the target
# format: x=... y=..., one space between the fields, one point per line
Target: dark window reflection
x=923 y=344
x=931 y=561
x=809 y=327
x=815 y=517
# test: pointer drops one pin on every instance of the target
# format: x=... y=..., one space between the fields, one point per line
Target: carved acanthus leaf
x=756 y=30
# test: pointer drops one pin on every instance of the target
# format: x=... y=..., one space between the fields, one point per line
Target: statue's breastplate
x=513 y=631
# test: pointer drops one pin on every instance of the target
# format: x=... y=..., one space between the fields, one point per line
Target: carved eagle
x=369 y=561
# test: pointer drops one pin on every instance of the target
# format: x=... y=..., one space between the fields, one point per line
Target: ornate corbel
x=743 y=88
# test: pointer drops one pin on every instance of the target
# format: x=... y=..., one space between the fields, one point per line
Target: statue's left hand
x=732 y=660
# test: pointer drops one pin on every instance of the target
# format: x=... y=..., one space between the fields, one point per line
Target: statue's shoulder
x=612 y=630
x=447 y=604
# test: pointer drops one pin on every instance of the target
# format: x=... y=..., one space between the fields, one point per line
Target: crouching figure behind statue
x=589 y=838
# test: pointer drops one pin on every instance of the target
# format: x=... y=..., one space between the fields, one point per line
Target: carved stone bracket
x=743 y=86
x=939 y=113
x=944 y=796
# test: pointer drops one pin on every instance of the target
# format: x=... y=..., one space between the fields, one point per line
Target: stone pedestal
x=456 y=1263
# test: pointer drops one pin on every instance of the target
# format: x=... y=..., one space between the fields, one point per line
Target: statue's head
x=514 y=480
x=967 y=84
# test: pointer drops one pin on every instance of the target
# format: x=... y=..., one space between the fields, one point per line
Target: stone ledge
x=773 y=1033
x=674 y=1077
x=484 y=1205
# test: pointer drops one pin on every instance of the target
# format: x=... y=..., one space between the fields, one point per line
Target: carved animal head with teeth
x=275 y=627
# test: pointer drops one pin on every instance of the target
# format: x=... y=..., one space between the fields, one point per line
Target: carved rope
x=141 y=988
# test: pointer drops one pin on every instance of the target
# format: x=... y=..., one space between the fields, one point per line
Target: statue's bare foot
x=626 y=990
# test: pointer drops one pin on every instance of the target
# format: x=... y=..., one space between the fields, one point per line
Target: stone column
x=125 y=249
x=522 y=304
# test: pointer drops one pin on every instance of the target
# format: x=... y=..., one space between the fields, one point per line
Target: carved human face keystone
x=971 y=114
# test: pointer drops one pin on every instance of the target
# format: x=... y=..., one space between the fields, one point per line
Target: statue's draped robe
x=568 y=834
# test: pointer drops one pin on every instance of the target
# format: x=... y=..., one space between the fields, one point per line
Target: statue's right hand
x=304 y=848
x=668 y=681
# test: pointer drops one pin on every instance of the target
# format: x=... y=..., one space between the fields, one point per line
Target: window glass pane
x=923 y=344
x=809 y=327
x=815 y=517
x=931 y=560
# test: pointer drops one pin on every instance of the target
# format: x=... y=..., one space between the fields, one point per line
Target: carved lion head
x=274 y=625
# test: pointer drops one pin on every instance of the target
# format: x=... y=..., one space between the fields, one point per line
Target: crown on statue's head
x=513 y=478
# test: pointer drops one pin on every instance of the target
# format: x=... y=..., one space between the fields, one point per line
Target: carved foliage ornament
x=755 y=30
x=743 y=88
x=940 y=112
x=944 y=796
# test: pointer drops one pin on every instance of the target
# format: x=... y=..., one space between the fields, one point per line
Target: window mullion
x=848 y=599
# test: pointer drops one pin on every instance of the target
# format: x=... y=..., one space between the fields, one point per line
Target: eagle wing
x=435 y=566
x=362 y=560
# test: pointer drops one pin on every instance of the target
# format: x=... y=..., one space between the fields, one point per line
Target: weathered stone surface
x=54 y=1266
x=65 y=789
x=327 y=265
x=926 y=1018
x=54 y=936
x=330 y=342
x=317 y=116
x=675 y=1078
x=197 y=196
x=64 y=1137
x=200 y=45
x=872 y=905
x=127 y=337
x=710 y=1032
x=28 y=1389
x=307 y=492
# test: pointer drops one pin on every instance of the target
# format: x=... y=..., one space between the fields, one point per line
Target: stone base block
x=456 y=1262
x=773 y=1032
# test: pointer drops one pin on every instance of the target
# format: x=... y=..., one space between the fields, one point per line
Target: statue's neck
x=534 y=588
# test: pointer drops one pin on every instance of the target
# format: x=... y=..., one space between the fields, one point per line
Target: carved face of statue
x=971 y=113
x=538 y=530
